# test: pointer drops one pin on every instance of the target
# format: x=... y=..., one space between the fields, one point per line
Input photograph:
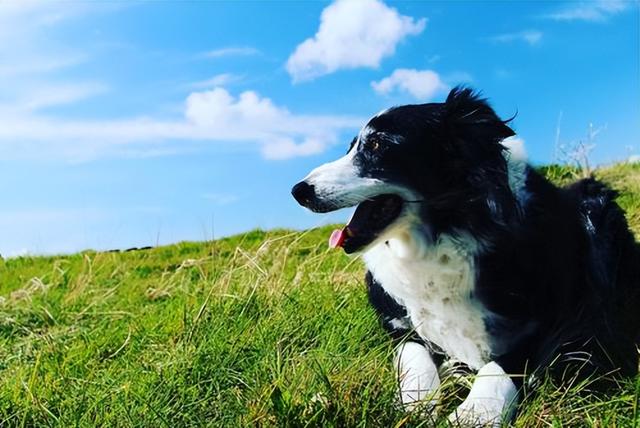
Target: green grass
x=261 y=329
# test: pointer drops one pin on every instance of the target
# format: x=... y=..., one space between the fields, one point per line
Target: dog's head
x=424 y=159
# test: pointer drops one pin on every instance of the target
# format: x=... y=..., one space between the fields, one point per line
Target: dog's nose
x=303 y=192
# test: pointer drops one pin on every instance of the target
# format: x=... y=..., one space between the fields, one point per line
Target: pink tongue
x=337 y=238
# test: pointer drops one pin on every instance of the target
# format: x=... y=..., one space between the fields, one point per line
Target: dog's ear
x=470 y=118
x=473 y=132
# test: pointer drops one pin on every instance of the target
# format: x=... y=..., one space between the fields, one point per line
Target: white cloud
x=591 y=11
x=213 y=116
x=421 y=84
x=217 y=108
x=223 y=79
x=286 y=148
x=352 y=34
x=217 y=115
x=51 y=95
x=30 y=64
x=230 y=51
x=532 y=37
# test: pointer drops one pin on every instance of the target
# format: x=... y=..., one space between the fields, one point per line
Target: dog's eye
x=373 y=145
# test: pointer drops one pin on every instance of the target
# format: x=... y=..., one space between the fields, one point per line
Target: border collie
x=474 y=257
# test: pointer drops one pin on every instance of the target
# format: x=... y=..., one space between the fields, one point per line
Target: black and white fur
x=488 y=263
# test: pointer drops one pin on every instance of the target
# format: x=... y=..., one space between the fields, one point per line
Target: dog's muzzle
x=306 y=196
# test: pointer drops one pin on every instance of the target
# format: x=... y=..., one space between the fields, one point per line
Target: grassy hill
x=260 y=329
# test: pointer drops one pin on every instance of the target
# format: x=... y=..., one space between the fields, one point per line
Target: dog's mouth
x=369 y=220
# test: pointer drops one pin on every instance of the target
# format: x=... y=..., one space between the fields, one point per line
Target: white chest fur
x=435 y=283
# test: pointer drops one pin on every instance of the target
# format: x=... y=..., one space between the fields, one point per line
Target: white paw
x=491 y=400
x=478 y=412
x=417 y=377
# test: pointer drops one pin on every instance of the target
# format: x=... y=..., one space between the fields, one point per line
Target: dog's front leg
x=491 y=401
x=417 y=375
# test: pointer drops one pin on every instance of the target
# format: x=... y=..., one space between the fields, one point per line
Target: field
x=261 y=329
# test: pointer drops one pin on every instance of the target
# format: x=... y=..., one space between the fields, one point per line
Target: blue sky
x=142 y=123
